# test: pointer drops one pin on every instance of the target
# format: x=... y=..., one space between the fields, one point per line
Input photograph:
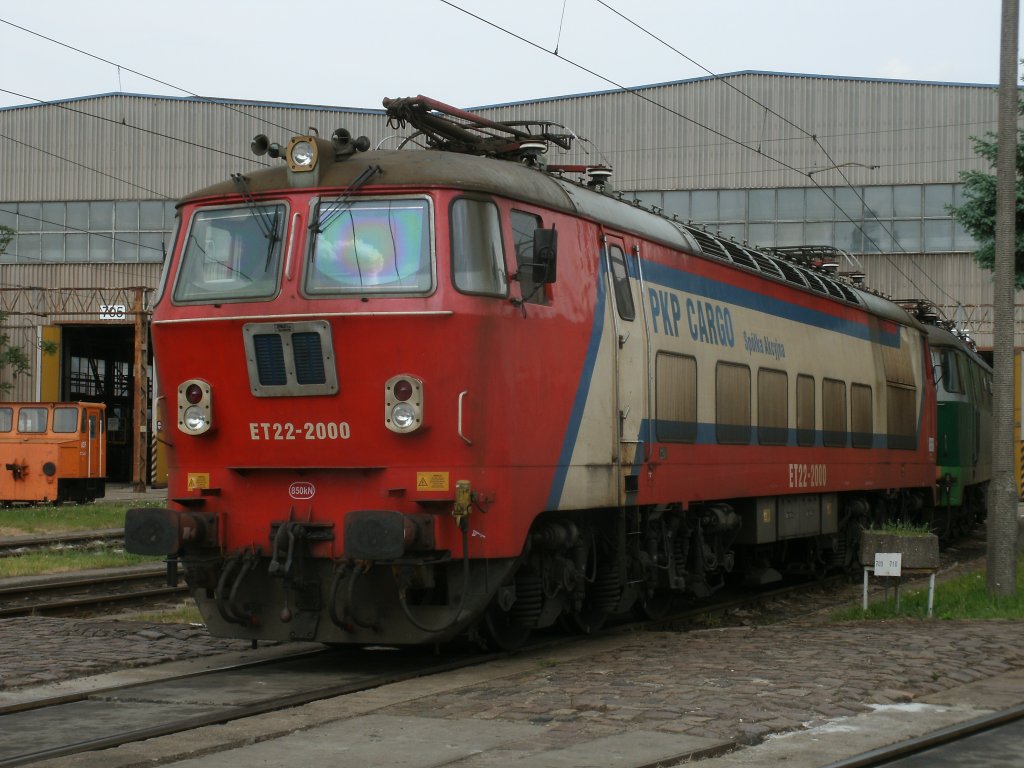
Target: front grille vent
x=269 y=359
x=309 y=359
x=290 y=359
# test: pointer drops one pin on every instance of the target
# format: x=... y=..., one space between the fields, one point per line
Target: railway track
x=85 y=591
x=12 y=546
x=989 y=740
x=81 y=592
x=100 y=719
x=77 y=723
x=72 y=724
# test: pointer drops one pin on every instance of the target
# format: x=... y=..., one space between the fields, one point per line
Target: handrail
x=462 y=396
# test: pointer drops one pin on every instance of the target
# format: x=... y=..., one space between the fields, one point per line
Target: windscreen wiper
x=265 y=221
x=338 y=205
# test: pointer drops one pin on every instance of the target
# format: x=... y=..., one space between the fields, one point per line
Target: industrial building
x=866 y=166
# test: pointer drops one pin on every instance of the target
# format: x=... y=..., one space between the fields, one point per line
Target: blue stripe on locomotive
x=583 y=387
x=689 y=282
x=675 y=279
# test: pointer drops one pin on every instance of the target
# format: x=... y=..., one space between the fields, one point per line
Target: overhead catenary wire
x=725 y=137
x=636 y=93
x=99 y=266
x=81 y=165
x=132 y=127
x=807 y=134
x=140 y=74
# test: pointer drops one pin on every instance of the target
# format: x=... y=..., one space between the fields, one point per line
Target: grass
x=184 y=613
x=21 y=520
x=67 y=560
x=25 y=520
x=902 y=528
x=963 y=598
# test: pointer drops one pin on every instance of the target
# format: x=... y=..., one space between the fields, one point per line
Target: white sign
x=888 y=563
x=112 y=311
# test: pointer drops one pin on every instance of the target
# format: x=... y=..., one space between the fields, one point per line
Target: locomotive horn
x=261 y=146
x=346 y=145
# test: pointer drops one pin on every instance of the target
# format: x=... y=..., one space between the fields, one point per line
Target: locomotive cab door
x=95 y=442
x=625 y=278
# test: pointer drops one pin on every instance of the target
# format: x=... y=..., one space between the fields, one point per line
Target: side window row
x=35 y=420
x=958 y=374
x=676 y=406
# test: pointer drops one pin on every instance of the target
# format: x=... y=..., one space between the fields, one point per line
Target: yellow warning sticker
x=432 y=481
x=198 y=480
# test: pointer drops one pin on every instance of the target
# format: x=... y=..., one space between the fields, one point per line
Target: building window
x=126 y=231
x=872 y=219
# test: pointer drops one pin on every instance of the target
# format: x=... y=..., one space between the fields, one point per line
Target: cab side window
x=478 y=259
x=65 y=419
x=32 y=420
x=523 y=227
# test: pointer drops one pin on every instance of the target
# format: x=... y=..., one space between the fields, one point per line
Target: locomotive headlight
x=195 y=419
x=302 y=153
x=195 y=416
x=403 y=403
x=403 y=416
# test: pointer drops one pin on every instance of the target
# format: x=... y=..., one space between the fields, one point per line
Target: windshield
x=231 y=253
x=371 y=247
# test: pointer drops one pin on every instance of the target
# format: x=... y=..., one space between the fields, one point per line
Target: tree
x=977 y=214
x=13 y=358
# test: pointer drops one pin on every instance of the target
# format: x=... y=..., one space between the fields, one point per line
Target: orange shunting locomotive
x=52 y=452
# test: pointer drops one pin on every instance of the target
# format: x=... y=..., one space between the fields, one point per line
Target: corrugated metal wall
x=26 y=338
x=35 y=295
x=914 y=132
x=152 y=147
x=143 y=148
x=121 y=147
x=960 y=288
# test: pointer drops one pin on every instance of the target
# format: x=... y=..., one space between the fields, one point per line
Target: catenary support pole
x=1002 y=511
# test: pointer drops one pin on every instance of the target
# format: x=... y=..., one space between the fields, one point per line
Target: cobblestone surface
x=778 y=668
x=38 y=650
x=741 y=683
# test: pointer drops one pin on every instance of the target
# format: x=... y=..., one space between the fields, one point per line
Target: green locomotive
x=964 y=432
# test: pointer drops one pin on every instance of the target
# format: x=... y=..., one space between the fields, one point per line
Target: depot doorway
x=97 y=366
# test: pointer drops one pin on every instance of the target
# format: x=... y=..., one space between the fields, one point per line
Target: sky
x=353 y=54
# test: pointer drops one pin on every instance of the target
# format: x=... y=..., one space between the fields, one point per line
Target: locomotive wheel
x=586 y=622
x=499 y=632
x=653 y=606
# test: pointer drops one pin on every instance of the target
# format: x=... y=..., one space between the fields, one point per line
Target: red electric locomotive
x=423 y=393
